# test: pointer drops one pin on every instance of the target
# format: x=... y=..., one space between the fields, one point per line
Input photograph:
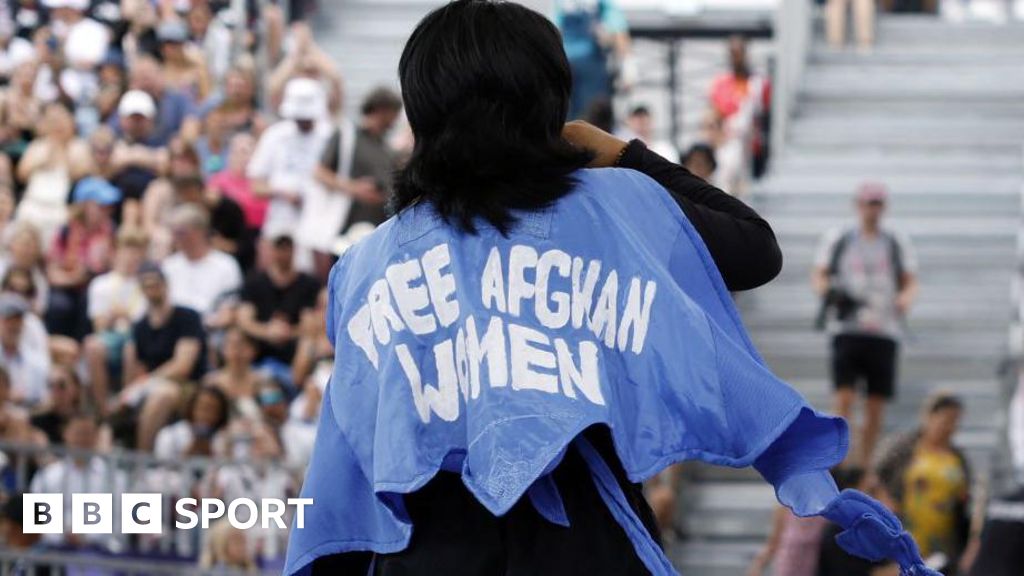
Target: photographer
x=867 y=275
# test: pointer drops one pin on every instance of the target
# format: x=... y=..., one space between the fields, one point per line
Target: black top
x=228 y=222
x=155 y=345
x=834 y=561
x=741 y=243
x=287 y=302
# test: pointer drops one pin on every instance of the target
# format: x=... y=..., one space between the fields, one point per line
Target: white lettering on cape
x=549 y=346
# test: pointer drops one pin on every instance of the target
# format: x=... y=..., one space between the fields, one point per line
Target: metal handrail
x=132 y=471
x=793 y=35
x=31 y=563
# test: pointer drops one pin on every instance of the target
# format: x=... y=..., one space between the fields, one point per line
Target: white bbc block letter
x=43 y=514
x=92 y=513
x=141 y=514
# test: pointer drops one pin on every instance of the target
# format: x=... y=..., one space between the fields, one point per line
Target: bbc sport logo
x=142 y=513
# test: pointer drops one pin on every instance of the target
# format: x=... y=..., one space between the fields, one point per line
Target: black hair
x=848 y=477
x=600 y=113
x=700 y=148
x=486 y=86
x=6 y=285
x=942 y=401
x=381 y=99
x=188 y=182
x=640 y=110
x=148 y=267
x=219 y=396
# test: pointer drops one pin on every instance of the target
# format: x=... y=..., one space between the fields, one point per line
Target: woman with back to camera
x=528 y=339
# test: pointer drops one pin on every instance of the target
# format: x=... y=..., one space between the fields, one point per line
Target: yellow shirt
x=933 y=485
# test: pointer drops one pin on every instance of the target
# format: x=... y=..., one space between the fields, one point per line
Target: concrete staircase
x=936 y=111
x=366 y=37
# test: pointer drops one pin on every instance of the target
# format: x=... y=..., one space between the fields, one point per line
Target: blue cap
x=96 y=190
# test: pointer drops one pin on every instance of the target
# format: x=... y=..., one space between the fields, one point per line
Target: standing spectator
x=23 y=352
x=306 y=60
x=287 y=153
x=52 y=162
x=233 y=183
x=81 y=250
x=273 y=301
x=928 y=478
x=591 y=30
x=863 y=22
x=739 y=103
x=871 y=273
x=116 y=302
x=168 y=348
x=198 y=274
x=639 y=125
x=357 y=163
x=213 y=38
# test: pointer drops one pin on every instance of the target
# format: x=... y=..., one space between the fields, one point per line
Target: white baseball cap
x=136 y=102
x=80 y=5
x=304 y=99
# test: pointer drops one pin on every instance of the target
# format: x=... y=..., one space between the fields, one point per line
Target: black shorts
x=857 y=357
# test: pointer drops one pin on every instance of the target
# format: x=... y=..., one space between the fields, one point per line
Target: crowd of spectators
x=176 y=179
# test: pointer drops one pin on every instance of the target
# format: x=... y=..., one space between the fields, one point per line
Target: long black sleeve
x=741 y=243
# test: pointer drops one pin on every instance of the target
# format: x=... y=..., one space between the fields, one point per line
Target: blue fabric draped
x=487 y=355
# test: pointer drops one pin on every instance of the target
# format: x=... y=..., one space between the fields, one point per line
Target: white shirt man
x=197 y=284
x=287 y=154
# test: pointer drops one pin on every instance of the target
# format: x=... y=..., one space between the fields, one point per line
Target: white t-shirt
x=110 y=289
x=18 y=51
x=287 y=159
x=197 y=284
x=867 y=272
x=86 y=43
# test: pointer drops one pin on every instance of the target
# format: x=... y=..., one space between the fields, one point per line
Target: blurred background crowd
x=178 y=176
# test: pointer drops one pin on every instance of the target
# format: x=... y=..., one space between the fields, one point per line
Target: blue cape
x=487 y=355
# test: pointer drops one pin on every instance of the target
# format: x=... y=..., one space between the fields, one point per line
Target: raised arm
x=741 y=243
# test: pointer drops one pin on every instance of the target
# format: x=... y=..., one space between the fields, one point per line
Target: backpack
x=895 y=255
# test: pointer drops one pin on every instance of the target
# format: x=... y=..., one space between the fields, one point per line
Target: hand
x=365 y=190
x=903 y=302
x=606 y=148
x=279 y=331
